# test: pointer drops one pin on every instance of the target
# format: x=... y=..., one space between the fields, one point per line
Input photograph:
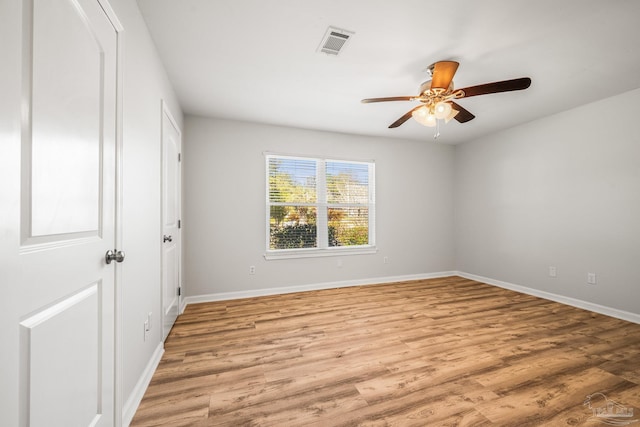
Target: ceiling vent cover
x=334 y=40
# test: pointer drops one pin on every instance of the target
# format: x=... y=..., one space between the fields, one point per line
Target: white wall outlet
x=385 y=260
x=146 y=329
x=591 y=278
x=552 y=271
x=339 y=263
x=252 y=269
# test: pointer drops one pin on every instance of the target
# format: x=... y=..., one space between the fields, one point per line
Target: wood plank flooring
x=440 y=352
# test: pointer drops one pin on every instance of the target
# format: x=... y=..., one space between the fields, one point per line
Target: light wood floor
x=441 y=352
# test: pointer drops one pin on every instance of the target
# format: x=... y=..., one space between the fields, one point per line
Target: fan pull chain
x=437 y=133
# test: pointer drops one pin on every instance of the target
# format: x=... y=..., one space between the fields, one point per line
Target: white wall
x=562 y=191
x=145 y=85
x=224 y=227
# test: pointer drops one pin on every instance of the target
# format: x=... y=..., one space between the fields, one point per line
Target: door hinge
x=179 y=224
x=179 y=290
x=179 y=157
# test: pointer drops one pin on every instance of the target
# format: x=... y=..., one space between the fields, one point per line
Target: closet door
x=171 y=232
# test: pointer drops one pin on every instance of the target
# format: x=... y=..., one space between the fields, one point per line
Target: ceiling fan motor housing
x=425 y=87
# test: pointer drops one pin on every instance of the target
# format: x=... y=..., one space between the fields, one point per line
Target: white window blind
x=319 y=206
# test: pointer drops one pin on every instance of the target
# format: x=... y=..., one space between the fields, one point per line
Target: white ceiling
x=257 y=60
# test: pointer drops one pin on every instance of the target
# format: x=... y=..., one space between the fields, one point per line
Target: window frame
x=321 y=206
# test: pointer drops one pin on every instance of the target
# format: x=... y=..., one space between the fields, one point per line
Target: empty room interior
x=305 y=213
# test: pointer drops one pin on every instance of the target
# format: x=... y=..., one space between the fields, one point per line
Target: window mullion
x=321 y=194
x=372 y=204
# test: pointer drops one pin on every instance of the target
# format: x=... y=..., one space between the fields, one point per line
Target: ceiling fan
x=437 y=96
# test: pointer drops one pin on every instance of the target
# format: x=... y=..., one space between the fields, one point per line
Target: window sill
x=318 y=253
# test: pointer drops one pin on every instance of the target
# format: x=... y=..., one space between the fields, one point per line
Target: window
x=319 y=206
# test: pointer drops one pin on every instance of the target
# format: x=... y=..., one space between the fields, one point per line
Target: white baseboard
x=597 y=308
x=225 y=296
x=132 y=403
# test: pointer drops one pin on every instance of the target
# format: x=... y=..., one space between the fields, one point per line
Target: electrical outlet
x=552 y=271
x=591 y=278
x=146 y=329
x=252 y=269
x=339 y=263
x=385 y=260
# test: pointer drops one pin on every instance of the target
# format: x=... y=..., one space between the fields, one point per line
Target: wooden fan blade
x=463 y=115
x=404 y=118
x=503 y=86
x=442 y=74
x=390 y=98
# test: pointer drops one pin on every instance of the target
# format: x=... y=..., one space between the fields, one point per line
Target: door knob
x=115 y=255
x=166 y=239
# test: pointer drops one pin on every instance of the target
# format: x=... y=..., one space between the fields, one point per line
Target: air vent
x=334 y=40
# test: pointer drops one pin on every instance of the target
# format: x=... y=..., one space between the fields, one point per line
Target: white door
x=65 y=290
x=171 y=236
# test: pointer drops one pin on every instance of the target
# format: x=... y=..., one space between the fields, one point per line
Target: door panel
x=66 y=293
x=66 y=120
x=58 y=376
x=171 y=245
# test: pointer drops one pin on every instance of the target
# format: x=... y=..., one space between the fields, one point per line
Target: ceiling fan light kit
x=429 y=115
x=442 y=110
x=437 y=96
